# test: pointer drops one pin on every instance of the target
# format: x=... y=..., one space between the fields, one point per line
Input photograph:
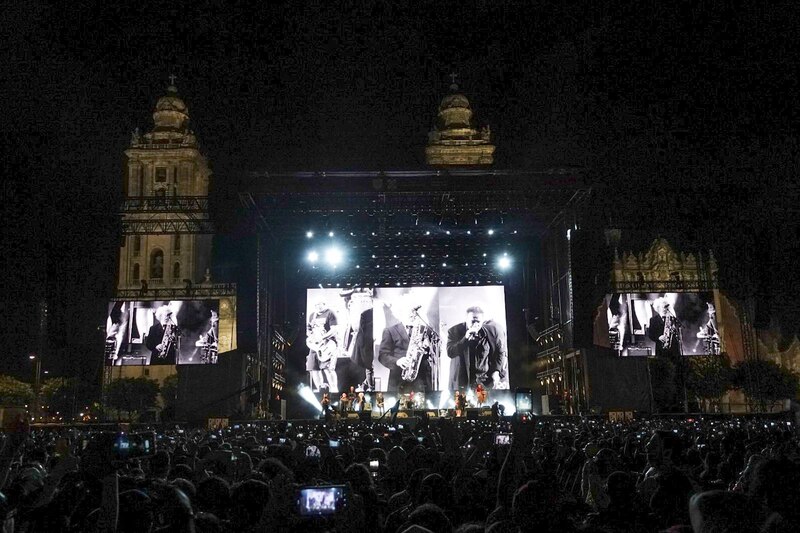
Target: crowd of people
x=443 y=475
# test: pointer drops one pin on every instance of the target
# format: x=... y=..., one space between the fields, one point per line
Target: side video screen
x=659 y=324
x=182 y=332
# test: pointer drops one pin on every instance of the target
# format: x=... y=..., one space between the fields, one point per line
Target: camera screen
x=502 y=439
x=333 y=443
x=312 y=451
x=315 y=501
x=374 y=464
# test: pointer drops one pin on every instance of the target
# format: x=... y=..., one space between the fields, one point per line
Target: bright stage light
x=490 y=232
x=313 y=256
x=430 y=404
x=309 y=234
x=504 y=262
x=330 y=234
x=443 y=399
x=333 y=256
x=308 y=395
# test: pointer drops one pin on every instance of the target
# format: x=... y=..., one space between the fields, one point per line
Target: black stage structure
x=461 y=220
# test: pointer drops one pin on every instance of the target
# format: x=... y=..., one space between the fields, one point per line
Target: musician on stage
x=461 y=404
x=321 y=332
x=478 y=353
x=481 y=394
x=379 y=401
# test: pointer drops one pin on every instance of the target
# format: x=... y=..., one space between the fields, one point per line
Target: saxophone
x=169 y=339
x=670 y=331
x=418 y=346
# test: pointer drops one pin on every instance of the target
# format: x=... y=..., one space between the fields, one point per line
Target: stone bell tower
x=454 y=140
x=167 y=231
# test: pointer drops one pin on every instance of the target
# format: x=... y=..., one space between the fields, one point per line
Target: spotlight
x=504 y=262
x=422 y=256
x=309 y=234
x=313 y=256
x=448 y=232
x=469 y=232
x=490 y=232
x=333 y=256
x=422 y=265
x=444 y=264
x=443 y=399
x=330 y=234
x=308 y=395
x=427 y=233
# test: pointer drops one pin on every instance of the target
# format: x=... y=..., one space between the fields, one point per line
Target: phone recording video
x=502 y=439
x=321 y=501
x=132 y=445
x=312 y=452
x=333 y=443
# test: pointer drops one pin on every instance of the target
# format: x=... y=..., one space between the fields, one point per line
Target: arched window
x=176 y=271
x=176 y=244
x=157 y=264
x=137 y=245
x=136 y=272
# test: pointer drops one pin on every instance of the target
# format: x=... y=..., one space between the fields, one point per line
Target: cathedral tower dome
x=171 y=112
x=170 y=123
x=455 y=141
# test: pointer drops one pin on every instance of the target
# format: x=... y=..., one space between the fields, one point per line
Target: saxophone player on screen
x=664 y=330
x=408 y=349
x=163 y=338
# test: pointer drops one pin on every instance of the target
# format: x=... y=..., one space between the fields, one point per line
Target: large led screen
x=659 y=324
x=182 y=332
x=415 y=339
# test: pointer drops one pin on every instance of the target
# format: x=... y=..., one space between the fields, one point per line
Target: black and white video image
x=418 y=339
x=162 y=332
x=660 y=324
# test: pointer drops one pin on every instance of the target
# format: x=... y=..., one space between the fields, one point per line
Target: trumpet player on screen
x=478 y=353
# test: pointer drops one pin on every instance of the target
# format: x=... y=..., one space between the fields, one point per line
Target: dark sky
x=693 y=105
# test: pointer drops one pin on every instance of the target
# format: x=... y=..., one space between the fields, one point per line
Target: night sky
x=685 y=117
